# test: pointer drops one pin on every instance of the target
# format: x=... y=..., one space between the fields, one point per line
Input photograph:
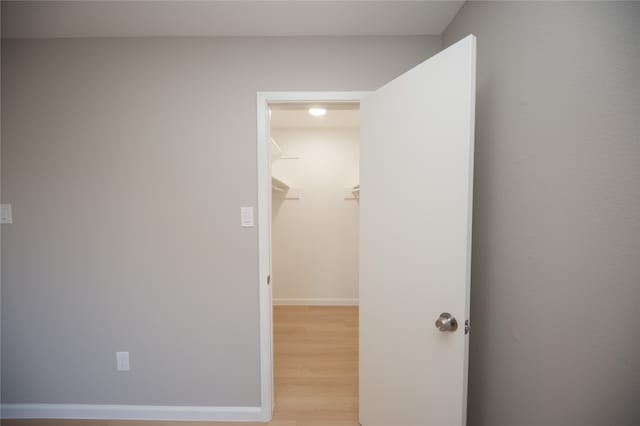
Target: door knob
x=446 y=322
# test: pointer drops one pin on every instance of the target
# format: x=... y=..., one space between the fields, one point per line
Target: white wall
x=127 y=161
x=315 y=238
x=555 y=330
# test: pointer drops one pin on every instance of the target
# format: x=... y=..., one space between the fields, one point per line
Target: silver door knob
x=446 y=322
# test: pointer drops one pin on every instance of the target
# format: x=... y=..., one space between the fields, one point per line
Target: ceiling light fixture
x=317 y=112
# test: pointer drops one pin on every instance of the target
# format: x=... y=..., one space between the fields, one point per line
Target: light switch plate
x=5 y=213
x=122 y=361
x=246 y=217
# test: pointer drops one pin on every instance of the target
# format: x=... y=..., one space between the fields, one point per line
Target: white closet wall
x=315 y=237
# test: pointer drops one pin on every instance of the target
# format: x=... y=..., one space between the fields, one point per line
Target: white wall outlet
x=122 y=361
x=5 y=213
x=246 y=217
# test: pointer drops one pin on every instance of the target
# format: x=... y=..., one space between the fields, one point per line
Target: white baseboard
x=317 y=302
x=132 y=412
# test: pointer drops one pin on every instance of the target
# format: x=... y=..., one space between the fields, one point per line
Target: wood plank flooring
x=316 y=363
x=315 y=372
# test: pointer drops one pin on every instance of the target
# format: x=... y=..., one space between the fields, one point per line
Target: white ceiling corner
x=184 y=18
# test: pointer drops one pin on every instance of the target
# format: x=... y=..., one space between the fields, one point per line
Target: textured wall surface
x=556 y=234
x=315 y=238
x=127 y=161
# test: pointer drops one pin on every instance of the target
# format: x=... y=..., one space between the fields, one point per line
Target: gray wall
x=126 y=161
x=556 y=242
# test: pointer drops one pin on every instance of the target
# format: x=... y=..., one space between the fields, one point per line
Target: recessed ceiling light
x=317 y=112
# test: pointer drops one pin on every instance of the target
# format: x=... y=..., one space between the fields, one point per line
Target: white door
x=415 y=242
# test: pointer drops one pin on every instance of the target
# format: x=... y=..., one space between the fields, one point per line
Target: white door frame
x=264 y=227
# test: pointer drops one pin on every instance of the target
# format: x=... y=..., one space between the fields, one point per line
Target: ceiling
x=296 y=116
x=56 y=19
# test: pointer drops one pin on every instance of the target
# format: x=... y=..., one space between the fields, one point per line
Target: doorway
x=305 y=307
x=415 y=215
x=314 y=152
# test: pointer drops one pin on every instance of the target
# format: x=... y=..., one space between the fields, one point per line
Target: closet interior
x=315 y=152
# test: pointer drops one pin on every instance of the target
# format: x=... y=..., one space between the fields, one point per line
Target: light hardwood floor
x=316 y=372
